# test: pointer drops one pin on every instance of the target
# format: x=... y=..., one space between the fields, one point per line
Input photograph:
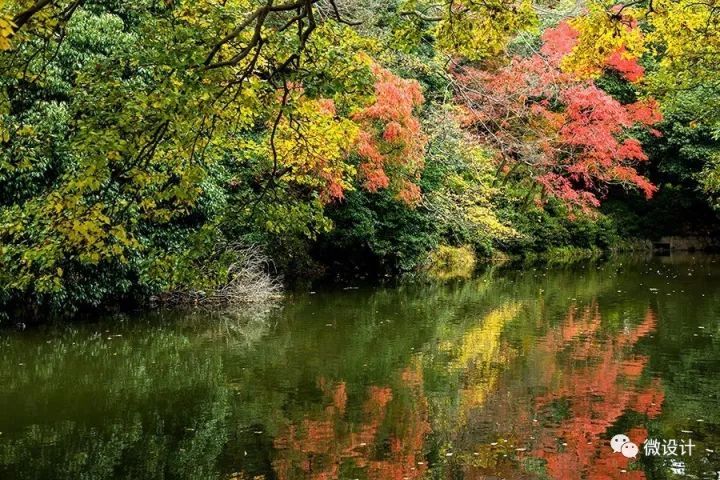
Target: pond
x=515 y=374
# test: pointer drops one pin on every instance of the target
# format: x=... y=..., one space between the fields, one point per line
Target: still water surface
x=516 y=374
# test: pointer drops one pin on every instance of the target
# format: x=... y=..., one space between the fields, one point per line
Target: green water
x=516 y=374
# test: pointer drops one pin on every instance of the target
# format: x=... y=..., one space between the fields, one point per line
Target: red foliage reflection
x=589 y=376
x=601 y=383
x=387 y=445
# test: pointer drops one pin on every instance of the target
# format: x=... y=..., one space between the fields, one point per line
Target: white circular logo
x=618 y=441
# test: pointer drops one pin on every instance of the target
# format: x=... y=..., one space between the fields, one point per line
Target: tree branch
x=421 y=16
x=24 y=17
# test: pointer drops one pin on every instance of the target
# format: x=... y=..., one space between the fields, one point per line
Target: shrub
x=447 y=262
x=246 y=279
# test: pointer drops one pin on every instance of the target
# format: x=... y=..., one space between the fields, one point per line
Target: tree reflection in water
x=602 y=383
x=590 y=377
x=387 y=444
x=525 y=375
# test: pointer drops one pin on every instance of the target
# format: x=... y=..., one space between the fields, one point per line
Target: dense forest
x=181 y=150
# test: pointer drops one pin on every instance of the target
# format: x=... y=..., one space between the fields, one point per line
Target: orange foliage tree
x=570 y=137
x=391 y=143
x=312 y=145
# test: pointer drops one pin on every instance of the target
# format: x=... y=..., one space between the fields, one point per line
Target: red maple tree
x=391 y=137
x=571 y=138
x=562 y=39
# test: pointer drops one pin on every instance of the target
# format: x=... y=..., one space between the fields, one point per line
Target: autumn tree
x=313 y=143
x=391 y=137
x=138 y=140
x=568 y=136
x=474 y=30
x=677 y=42
x=680 y=37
